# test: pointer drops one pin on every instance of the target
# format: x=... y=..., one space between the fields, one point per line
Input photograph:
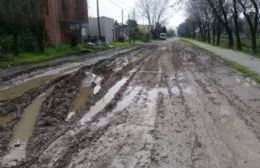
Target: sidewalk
x=238 y=57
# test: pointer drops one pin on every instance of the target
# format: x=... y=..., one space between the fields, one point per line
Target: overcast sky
x=112 y=9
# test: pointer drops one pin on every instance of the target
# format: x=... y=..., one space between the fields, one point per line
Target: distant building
x=120 y=32
x=144 y=28
x=65 y=20
x=106 y=29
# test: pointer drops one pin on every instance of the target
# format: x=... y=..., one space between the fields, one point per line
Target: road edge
x=236 y=66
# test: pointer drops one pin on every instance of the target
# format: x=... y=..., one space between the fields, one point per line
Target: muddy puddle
x=5 y=120
x=85 y=93
x=80 y=101
x=23 y=131
x=128 y=98
x=19 y=90
x=97 y=88
x=22 y=86
x=101 y=104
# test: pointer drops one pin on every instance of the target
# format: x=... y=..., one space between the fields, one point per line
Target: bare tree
x=236 y=17
x=251 y=13
x=153 y=10
x=221 y=9
x=202 y=18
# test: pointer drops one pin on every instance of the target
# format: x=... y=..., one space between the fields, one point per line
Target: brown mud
x=165 y=105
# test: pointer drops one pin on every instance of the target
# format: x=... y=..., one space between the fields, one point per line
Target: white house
x=106 y=28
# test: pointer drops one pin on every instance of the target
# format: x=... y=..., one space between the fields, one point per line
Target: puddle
x=175 y=90
x=130 y=99
x=84 y=93
x=22 y=86
x=19 y=90
x=127 y=99
x=101 y=104
x=98 y=85
x=80 y=101
x=23 y=130
x=5 y=120
x=121 y=63
x=70 y=115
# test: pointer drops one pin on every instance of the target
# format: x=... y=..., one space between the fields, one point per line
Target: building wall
x=52 y=25
x=60 y=15
x=106 y=28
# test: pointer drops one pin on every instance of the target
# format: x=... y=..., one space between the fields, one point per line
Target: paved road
x=238 y=57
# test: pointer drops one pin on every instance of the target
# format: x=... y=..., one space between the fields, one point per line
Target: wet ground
x=160 y=105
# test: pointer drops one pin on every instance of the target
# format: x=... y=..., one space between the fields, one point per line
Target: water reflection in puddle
x=98 y=85
x=23 y=131
x=101 y=104
x=134 y=97
x=127 y=99
x=85 y=93
x=5 y=120
x=22 y=86
x=19 y=90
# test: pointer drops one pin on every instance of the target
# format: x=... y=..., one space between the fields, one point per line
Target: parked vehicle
x=163 y=36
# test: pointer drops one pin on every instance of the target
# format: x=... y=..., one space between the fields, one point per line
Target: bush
x=5 y=43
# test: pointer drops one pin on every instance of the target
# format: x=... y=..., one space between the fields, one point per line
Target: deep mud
x=163 y=105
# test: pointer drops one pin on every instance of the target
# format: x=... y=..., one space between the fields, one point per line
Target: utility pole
x=98 y=19
x=122 y=28
x=134 y=17
x=122 y=17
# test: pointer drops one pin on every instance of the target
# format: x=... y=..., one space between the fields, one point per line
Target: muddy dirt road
x=162 y=105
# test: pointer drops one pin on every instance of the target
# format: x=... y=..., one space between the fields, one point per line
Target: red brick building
x=65 y=19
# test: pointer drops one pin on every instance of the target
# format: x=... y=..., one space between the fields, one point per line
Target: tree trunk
x=218 y=39
x=239 y=46
x=252 y=24
x=209 y=36
x=214 y=34
x=219 y=31
x=254 y=41
x=15 y=43
x=230 y=38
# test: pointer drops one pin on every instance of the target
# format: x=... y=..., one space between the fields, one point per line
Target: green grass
x=37 y=57
x=56 y=52
x=246 y=45
x=244 y=70
x=122 y=44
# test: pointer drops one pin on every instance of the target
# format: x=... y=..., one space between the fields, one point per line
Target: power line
x=117 y=4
